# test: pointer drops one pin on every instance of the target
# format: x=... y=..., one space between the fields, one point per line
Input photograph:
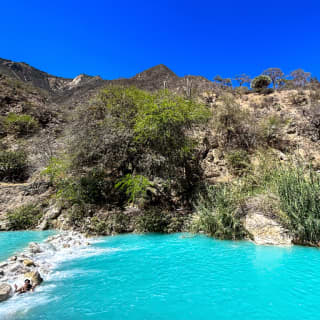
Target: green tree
x=261 y=82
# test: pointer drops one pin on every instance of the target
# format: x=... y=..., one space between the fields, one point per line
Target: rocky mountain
x=26 y=73
x=63 y=89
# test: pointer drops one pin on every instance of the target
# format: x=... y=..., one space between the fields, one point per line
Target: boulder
x=34 y=248
x=16 y=268
x=5 y=290
x=262 y=223
x=267 y=231
x=28 y=263
x=52 y=213
x=35 y=277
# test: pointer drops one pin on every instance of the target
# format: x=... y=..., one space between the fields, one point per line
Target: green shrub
x=271 y=129
x=25 y=217
x=261 y=82
x=20 y=125
x=82 y=194
x=299 y=193
x=216 y=214
x=113 y=223
x=135 y=187
x=13 y=166
x=241 y=90
x=94 y=188
x=178 y=223
x=77 y=213
x=238 y=162
x=298 y=98
x=61 y=178
x=152 y=220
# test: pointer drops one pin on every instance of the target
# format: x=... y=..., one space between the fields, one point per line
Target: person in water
x=25 y=288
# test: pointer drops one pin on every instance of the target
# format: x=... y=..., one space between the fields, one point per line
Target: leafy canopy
x=160 y=123
x=158 y=120
x=261 y=82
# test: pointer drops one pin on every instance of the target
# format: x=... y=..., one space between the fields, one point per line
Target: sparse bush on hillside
x=20 y=125
x=269 y=101
x=157 y=220
x=315 y=96
x=113 y=223
x=24 y=218
x=298 y=99
x=238 y=162
x=235 y=127
x=238 y=128
x=312 y=126
x=13 y=166
x=271 y=129
x=43 y=115
x=241 y=91
x=152 y=220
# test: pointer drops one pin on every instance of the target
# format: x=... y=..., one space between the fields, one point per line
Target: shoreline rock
x=266 y=231
x=5 y=291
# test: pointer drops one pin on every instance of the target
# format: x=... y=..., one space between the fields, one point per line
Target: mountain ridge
x=154 y=78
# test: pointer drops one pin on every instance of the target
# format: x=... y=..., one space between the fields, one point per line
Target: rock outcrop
x=26 y=73
x=266 y=231
x=263 y=224
x=5 y=290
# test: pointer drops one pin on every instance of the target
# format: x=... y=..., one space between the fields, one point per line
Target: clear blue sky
x=121 y=38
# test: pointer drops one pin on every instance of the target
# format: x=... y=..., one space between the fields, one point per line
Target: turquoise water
x=176 y=277
x=11 y=242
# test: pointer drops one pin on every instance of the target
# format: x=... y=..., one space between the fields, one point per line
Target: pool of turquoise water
x=15 y=241
x=177 y=276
